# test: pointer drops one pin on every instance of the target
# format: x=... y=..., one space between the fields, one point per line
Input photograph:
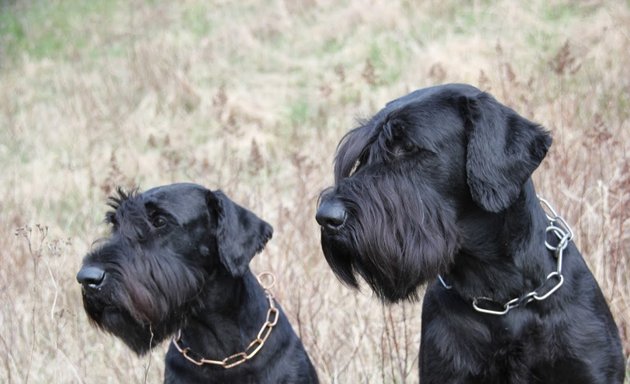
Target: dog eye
x=408 y=147
x=110 y=218
x=158 y=221
x=405 y=148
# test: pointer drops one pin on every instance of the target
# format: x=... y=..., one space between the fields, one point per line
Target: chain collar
x=254 y=347
x=557 y=226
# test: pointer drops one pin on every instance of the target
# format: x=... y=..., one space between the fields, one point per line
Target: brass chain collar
x=255 y=346
x=561 y=229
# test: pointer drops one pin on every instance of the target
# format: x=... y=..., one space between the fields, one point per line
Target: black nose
x=91 y=276
x=331 y=214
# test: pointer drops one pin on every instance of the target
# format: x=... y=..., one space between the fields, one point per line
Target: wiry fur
x=438 y=182
x=178 y=259
x=422 y=243
x=149 y=288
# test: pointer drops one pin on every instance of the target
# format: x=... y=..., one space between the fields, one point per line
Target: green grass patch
x=51 y=28
x=388 y=58
x=197 y=21
x=333 y=45
x=557 y=13
x=299 y=112
x=541 y=41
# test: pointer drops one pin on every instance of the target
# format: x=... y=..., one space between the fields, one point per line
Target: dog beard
x=140 y=308
x=396 y=237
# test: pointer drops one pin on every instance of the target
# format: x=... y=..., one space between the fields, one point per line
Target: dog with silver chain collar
x=437 y=188
x=177 y=264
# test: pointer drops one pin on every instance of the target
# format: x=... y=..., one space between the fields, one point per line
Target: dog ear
x=240 y=234
x=503 y=151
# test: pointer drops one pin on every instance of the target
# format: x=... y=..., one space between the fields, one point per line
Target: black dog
x=437 y=185
x=177 y=262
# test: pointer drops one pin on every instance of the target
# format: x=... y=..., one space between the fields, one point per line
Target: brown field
x=252 y=97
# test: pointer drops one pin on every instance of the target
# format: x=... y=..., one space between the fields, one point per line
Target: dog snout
x=91 y=277
x=331 y=214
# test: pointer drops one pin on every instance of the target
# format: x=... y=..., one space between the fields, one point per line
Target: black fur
x=438 y=182
x=178 y=259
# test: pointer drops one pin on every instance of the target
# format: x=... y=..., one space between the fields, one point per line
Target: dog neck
x=503 y=255
x=224 y=324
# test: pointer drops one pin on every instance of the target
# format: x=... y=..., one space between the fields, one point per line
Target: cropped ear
x=503 y=150
x=240 y=233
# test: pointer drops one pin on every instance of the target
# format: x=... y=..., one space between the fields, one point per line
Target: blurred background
x=252 y=97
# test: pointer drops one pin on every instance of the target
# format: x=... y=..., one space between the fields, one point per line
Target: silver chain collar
x=559 y=227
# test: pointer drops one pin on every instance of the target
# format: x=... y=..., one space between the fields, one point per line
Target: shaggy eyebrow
x=151 y=206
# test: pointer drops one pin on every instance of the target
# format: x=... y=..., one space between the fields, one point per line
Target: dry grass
x=252 y=97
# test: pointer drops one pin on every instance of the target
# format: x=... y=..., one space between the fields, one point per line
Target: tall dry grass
x=252 y=97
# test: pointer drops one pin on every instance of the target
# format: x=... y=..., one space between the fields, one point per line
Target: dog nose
x=331 y=214
x=91 y=276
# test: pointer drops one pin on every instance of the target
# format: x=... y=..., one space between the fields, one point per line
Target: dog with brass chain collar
x=437 y=188
x=177 y=264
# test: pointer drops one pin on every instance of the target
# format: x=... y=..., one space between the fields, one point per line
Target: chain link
x=273 y=314
x=561 y=229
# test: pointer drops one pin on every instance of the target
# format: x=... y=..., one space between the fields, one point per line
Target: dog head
x=404 y=179
x=168 y=247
